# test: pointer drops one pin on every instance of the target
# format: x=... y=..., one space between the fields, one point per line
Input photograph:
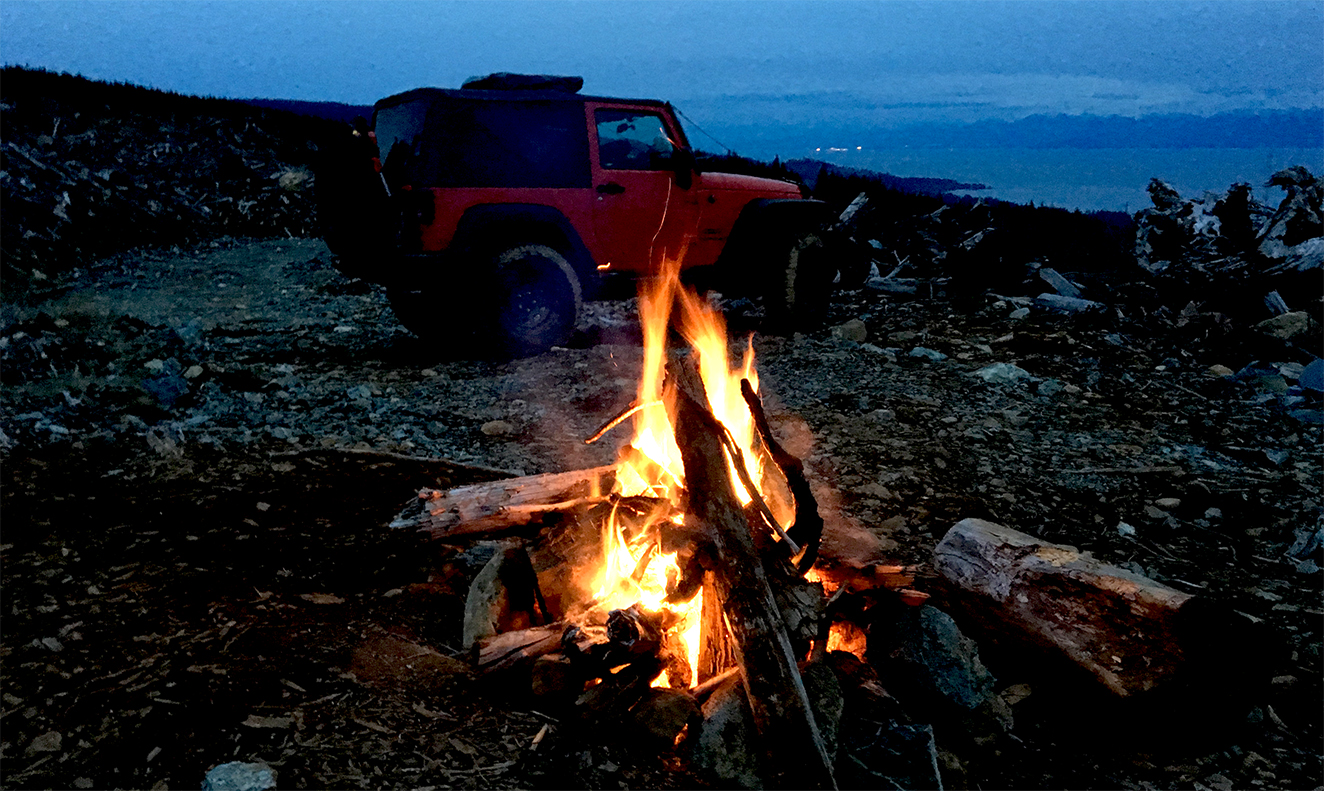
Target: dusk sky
x=875 y=62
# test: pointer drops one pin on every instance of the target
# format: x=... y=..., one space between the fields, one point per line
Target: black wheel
x=799 y=289
x=538 y=299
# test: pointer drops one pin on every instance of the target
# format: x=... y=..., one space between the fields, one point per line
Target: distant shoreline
x=1091 y=179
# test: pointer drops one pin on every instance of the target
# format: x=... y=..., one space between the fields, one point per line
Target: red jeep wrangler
x=496 y=209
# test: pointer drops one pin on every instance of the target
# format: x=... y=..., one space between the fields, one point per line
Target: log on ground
x=1131 y=633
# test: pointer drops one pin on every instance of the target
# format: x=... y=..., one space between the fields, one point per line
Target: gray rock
x=1060 y=284
x=937 y=664
x=169 y=385
x=1312 y=376
x=1311 y=417
x=893 y=756
x=928 y=354
x=240 y=776
x=728 y=747
x=48 y=742
x=1061 y=304
x=1286 y=326
x=853 y=330
x=1049 y=388
x=891 y=285
x=1003 y=373
x=1018 y=314
x=827 y=700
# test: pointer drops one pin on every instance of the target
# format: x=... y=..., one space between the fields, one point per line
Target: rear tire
x=799 y=289
x=538 y=300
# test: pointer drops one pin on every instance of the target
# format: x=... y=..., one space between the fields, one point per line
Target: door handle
x=610 y=188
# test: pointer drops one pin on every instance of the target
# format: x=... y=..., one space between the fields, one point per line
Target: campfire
x=687 y=563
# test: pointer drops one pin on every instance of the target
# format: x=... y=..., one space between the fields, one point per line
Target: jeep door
x=640 y=214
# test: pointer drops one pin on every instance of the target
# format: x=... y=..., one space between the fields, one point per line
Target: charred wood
x=778 y=700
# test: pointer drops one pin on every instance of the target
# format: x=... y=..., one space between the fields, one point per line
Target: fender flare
x=763 y=227
x=487 y=228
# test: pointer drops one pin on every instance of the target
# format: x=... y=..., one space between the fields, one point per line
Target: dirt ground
x=202 y=450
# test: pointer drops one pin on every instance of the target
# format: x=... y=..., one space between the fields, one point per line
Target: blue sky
x=871 y=62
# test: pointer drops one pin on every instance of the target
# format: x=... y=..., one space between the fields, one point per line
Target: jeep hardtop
x=496 y=209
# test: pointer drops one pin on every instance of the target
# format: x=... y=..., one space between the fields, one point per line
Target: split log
x=511 y=650
x=500 y=507
x=716 y=652
x=778 y=700
x=1129 y=632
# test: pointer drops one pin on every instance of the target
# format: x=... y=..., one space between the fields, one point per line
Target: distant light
x=604 y=266
x=859 y=148
x=818 y=149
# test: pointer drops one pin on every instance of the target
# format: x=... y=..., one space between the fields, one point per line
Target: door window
x=631 y=140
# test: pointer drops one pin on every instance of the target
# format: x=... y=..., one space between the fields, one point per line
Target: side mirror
x=682 y=163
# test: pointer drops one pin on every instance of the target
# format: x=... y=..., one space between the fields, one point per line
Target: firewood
x=808 y=526
x=716 y=652
x=781 y=710
x=509 y=650
x=500 y=507
x=1120 y=627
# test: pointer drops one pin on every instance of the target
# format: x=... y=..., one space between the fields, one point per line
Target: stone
x=498 y=428
x=827 y=701
x=928 y=354
x=1286 y=326
x=240 y=776
x=48 y=742
x=1312 y=376
x=1220 y=371
x=1003 y=373
x=1061 y=304
x=1018 y=314
x=894 y=755
x=1168 y=503
x=662 y=715
x=1049 y=388
x=853 y=330
x=932 y=667
x=1060 y=284
x=727 y=747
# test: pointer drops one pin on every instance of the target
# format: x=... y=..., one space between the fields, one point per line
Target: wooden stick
x=808 y=525
x=620 y=418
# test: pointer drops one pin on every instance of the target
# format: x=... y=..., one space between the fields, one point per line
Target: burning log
x=808 y=526
x=768 y=662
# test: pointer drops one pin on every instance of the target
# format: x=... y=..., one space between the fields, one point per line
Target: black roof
x=507 y=96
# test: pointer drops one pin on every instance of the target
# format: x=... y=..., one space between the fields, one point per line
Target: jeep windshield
x=437 y=140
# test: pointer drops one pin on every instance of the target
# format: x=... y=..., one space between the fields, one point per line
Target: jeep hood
x=742 y=183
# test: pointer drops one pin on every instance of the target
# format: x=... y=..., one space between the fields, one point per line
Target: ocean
x=1087 y=179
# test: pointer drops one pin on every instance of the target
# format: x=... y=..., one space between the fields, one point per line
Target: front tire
x=800 y=288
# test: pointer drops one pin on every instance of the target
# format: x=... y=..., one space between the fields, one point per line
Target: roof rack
x=506 y=81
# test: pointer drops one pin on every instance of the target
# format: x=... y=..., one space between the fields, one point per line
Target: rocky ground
x=202 y=448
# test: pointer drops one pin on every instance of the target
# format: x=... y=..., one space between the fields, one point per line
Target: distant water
x=1089 y=179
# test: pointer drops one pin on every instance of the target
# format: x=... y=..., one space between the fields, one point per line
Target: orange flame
x=704 y=329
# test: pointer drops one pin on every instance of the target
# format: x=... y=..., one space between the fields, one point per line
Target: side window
x=632 y=140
